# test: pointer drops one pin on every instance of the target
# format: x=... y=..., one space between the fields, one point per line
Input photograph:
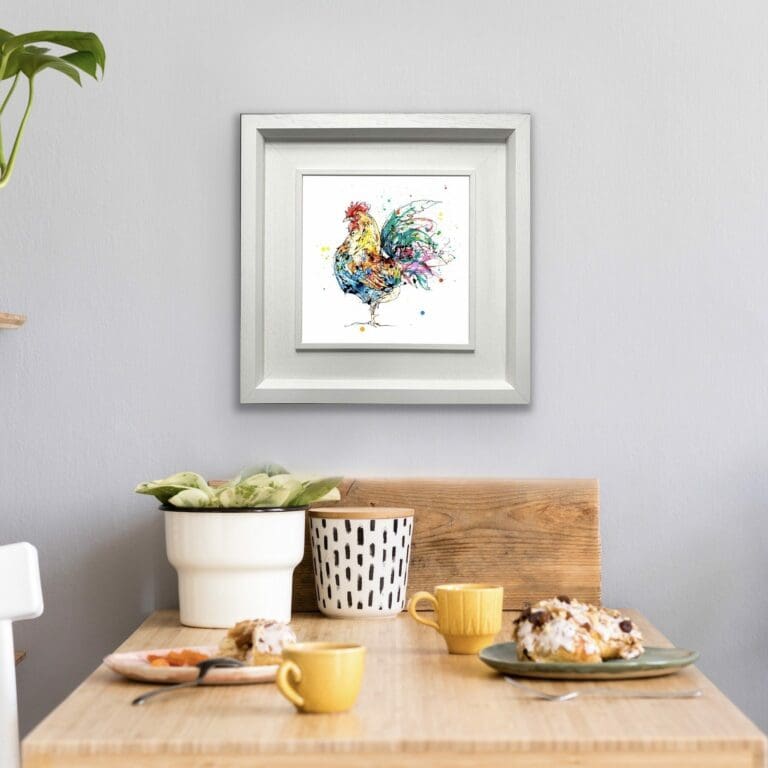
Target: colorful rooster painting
x=373 y=263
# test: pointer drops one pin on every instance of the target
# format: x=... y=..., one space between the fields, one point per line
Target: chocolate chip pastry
x=257 y=642
x=566 y=630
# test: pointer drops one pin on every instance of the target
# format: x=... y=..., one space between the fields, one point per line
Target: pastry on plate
x=616 y=634
x=566 y=630
x=257 y=641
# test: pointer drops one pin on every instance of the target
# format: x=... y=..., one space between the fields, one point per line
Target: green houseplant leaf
x=164 y=490
x=77 y=41
x=314 y=490
x=83 y=60
x=32 y=63
x=256 y=490
x=266 y=469
x=192 y=497
x=19 y=56
x=13 y=66
x=283 y=490
x=251 y=492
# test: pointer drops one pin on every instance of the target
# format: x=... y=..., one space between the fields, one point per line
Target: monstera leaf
x=20 y=56
x=88 y=52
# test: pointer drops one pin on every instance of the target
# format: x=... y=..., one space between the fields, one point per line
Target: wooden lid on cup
x=360 y=513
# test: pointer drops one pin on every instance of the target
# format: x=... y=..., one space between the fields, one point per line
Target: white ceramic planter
x=360 y=558
x=234 y=565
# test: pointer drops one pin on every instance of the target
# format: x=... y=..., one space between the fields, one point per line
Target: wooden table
x=418 y=707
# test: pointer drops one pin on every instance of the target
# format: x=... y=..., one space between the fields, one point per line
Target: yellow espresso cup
x=321 y=677
x=468 y=615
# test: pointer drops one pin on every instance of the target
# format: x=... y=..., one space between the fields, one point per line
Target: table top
x=419 y=706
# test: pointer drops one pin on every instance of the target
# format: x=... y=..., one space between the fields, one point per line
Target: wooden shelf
x=19 y=656
x=8 y=320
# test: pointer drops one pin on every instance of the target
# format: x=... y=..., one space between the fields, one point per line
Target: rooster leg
x=373 y=308
x=373 y=322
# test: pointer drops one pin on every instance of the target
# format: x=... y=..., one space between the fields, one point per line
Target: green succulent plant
x=265 y=485
x=20 y=56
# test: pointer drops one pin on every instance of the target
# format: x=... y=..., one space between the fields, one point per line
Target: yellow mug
x=468 y=615
x=321 y=677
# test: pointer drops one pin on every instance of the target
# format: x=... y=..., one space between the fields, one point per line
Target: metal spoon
x=606 y=692
x=203 y=668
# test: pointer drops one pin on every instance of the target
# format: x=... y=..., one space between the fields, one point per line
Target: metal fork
x=204 y=667
x=606 y=692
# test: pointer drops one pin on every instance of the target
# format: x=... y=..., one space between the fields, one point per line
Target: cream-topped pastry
x=257 y=641
x=566 y=630
x=617 y=635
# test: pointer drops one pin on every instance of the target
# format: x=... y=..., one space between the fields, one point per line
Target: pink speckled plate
x=134 y=666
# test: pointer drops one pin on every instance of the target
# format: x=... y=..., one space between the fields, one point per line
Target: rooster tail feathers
x=412 y=241
x=403 y=221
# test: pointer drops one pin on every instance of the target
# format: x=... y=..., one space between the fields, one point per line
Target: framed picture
x=385 y=258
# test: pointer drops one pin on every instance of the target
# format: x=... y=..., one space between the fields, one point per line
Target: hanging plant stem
x=2 y=109
x=8 y=169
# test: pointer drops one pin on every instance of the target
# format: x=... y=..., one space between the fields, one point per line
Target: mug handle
x=412 y=608
x=289 y=669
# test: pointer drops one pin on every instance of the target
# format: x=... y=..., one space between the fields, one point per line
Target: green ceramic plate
x=655 y=662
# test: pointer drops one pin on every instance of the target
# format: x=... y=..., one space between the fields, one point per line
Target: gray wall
x=650 y=277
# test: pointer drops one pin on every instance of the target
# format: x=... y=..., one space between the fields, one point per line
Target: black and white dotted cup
x=360 y=558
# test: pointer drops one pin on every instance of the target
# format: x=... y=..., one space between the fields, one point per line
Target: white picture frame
x=494 y=367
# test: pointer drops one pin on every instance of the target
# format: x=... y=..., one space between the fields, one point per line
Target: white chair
x=20 y=598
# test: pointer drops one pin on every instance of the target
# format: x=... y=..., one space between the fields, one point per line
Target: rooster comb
x=356 y=208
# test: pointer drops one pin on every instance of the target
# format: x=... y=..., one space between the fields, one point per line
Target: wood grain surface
x=419 y=706
x=537 y=538
x=9 y=320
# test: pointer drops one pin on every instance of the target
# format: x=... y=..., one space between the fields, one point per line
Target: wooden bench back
x=537 y=538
